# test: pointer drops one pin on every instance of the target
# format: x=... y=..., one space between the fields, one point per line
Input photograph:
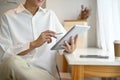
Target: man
x=26 y=35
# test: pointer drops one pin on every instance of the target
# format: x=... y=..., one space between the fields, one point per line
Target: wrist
x=33 y=45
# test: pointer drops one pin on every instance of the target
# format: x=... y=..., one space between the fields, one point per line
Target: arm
x=44 y=37
x=6 y=42
x=31 y=47
x=9 y=49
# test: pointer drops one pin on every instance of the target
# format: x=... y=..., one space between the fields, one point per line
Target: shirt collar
x=21 y=8
x=41 y=9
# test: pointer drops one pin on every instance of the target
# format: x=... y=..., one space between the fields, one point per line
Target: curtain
x=108 y=24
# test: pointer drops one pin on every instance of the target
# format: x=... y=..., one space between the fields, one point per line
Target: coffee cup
x=117 y=48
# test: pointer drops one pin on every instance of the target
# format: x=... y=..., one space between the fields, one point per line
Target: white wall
x=70 y=9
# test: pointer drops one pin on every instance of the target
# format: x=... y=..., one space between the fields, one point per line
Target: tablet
x=77 y=29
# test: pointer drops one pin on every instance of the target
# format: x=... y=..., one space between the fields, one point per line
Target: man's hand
x=69 y=48
x=44 y=37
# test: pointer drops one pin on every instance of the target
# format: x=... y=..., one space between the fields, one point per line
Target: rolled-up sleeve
x=6 y=45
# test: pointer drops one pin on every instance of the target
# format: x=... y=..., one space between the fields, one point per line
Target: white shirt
x=19 y=27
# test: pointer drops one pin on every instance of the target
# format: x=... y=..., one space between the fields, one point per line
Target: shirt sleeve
x=58 y=26
x=59 y=29
x=6 y=46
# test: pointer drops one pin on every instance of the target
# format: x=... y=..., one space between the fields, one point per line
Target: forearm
x=44 y=37
x=31 y=47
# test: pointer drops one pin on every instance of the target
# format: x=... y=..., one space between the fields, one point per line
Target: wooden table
x=92 y=67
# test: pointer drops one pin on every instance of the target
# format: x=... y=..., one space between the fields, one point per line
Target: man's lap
x=22 y=70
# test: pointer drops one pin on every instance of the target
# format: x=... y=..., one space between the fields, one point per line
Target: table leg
x=77 y=72
x=65 y=65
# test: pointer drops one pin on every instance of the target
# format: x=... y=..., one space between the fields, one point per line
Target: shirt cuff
x=21 y=48
x=61 y=52
x=16 y=50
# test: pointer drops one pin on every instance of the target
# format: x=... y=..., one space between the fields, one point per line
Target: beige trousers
x=16 y=68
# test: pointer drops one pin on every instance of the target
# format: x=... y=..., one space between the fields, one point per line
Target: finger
x=48 y=39
x=51 y=35
x=49 y=31
x=72 y=42
x=64 y=47
x=76 y=39
x=67 y=45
